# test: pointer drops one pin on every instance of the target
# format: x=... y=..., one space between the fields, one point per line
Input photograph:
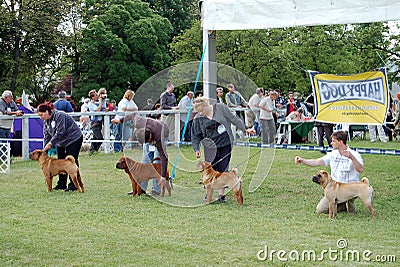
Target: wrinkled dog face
x=320 y=177
x=121 y=164
x=35 y=155
x=202 y=165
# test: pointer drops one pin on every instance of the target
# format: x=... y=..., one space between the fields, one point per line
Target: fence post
x=107 y=134
x=177 y=126
x=25 y=138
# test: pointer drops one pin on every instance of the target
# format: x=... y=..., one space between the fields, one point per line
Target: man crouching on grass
x=346 y=165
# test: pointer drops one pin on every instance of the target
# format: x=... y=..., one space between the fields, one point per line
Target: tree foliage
x=30 y=41
x=280 y=58
x=122 y=47
x=181 y=13
x=79 y=45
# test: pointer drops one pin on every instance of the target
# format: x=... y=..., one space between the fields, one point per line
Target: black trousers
x=62 y=152
x=213 y=155
x=326 y=129
x=97 y=126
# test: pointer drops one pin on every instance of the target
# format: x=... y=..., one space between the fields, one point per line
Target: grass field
x=106 y=227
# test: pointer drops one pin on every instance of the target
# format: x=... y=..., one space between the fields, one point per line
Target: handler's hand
x=198 y=154
x=298 y=160
x=47 y=147
x=251 y=131
x=347 y=154
x=116 y=121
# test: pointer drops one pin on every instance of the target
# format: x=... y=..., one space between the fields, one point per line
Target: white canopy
x=263 y=14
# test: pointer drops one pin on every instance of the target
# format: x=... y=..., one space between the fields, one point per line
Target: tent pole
x=209 y=64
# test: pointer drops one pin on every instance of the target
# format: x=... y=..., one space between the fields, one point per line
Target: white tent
x=264 y=14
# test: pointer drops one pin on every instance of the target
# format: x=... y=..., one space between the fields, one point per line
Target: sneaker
x=142 y=192
x=60 y=187
x=154 y=193
x=70 y=189
x=222 y=199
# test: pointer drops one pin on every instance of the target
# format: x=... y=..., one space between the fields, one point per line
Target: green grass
x=106 y=227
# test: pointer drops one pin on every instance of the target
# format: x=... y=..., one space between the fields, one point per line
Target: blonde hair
x=102 y=90
x=200 y=101
x=129 y=93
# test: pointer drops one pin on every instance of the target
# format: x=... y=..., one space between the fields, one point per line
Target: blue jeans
x=4 y=134
x=148 y=157
x=117 y=132
x=125 y=133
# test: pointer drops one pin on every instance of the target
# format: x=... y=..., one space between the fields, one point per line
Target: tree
x=30 y=42
x=181 y=13
x=280 y=58
x=122 y=47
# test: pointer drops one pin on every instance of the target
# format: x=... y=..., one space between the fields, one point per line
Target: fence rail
x=180 y=115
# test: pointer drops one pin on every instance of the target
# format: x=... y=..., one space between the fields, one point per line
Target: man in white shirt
x=267 y=123
x=346 y=165
x=252 y=116
x=184 y=104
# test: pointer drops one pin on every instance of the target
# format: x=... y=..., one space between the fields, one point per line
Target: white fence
x=108 y=138
x=5 y=157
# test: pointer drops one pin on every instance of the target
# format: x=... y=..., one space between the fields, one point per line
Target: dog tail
x=70 y=158
x=365 y=180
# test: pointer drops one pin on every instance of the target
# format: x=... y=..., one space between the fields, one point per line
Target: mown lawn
x=106 y=227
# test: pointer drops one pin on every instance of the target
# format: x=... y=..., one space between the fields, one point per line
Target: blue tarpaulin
x=35 y=132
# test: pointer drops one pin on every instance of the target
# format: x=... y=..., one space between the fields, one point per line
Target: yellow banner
x=354 y=99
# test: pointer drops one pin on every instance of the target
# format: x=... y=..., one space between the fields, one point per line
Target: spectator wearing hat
x=62 y=103
x=7 y=107
x=184 y=105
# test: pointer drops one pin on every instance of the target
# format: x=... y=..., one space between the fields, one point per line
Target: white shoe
x=373 y=141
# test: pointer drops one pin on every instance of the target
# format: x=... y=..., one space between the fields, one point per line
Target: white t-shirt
x=268 y=103
x=342 y=168
x=123 y=105
x=255 y=100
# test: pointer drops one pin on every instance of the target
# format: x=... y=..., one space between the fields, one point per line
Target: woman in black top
x=62 y=132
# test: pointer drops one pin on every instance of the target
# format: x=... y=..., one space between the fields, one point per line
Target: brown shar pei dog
x=336 y=192
x=52 y=167
x=140 y=172
x=213 y=180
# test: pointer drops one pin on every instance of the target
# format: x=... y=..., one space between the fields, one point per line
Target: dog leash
x=189 y=111
x=252 y=156
x=240 y=163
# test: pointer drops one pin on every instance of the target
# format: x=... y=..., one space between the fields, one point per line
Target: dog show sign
x=357 y=99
